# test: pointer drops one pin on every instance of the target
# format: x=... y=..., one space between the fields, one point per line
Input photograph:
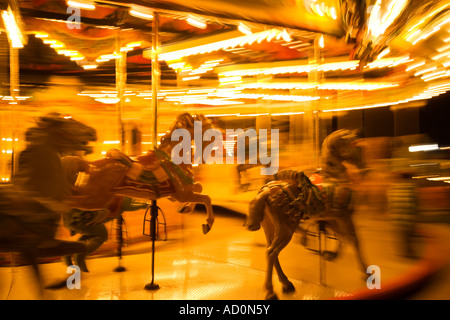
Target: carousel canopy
x=238 y=55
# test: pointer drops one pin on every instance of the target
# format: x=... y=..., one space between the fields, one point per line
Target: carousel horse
x=32 y=205
x=117 y=178
x=281 y=205
x=90 y=223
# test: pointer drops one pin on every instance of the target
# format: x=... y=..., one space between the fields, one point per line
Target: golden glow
x=380 y=20
x=383 y=53
x=141 y=12
x=15 y=36
x=196 y=23
x=244 y=29
x=321 y=42
x=108 y=100
x=82 y=4
x=388 y=62
x=40 y=35
x=417 y=33
x=191 y=78
x=333 y=13
x=296 y=67
x=90 y=66
x=224 y=44
x=415 y=65
x=320 y=86
x=418 y=73
x=134 y=44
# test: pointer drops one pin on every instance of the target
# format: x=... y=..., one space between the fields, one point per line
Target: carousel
x=136 y=138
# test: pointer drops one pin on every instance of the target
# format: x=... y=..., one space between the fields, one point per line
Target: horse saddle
x=296 y=194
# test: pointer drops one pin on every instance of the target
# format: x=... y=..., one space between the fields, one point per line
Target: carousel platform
x=229 y=264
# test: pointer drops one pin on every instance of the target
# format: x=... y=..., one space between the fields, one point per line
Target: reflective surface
x=228 y=263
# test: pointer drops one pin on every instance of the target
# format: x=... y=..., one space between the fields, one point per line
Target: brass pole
x=121 y=79
x=155 y=87
x=14 y=92
x=156 y=75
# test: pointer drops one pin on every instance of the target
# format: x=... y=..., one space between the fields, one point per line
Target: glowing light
x=379 y=21
x=214 y=45
x=416 y=65
x=90 y=66
x=321 y=42
x=244 y=29
x=423 y=147
x=108 y=100
x=41 y=35
x=82 y=4
x=286 y=36
x=418 y=73
x=286 y=113
x=190 y=78
x=333 y=13
x=134 y=44
x=229 y=80
x=439 y=178
x=196 y=23
x=141 y=13
x=110 y=56
x=383 y=53
x=15 y=36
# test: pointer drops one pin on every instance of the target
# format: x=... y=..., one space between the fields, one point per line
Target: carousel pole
x=318 y=78
x=155 y=88
x=121 y=61
x=14 y=93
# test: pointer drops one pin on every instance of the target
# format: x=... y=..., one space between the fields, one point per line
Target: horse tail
x=256 y=211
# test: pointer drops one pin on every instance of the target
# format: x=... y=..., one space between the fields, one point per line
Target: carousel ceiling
x=241 y=57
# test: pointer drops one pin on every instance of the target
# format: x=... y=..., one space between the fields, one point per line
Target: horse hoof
x=253 y=227
x=206 y=228
x=288 y=288
x=271 y=296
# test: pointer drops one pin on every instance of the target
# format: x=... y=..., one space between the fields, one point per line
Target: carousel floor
x=226 y=264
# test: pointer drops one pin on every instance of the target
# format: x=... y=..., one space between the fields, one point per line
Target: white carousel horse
x=282 y=204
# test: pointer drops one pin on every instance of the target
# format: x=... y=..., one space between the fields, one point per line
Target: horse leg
x=94 y=236
x=206 y=200
x=287 y=285
x=269 y=232
x=277 y=241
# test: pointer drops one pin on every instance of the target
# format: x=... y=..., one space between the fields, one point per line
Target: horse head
x=64 y=134
x=339 y=147
x=184 y=121
x=344 y=142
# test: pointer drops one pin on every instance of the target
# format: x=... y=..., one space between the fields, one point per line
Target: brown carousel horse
x=117 y=177
x=281 y=205
x=31 y=207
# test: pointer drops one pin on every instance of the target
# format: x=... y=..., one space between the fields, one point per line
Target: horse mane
x=289 y=175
